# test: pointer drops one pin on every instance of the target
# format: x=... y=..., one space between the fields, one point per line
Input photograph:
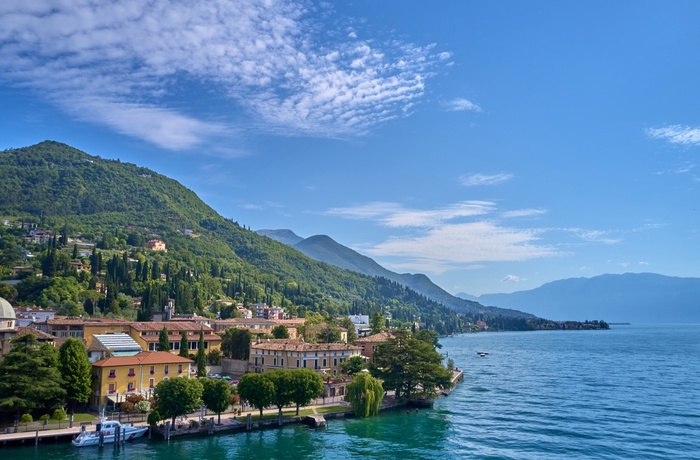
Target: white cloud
x=513 y=279
x=523 y=213
x=114 y=62
x=461 y=104
x=472 y=180
x=676 y=134
x=467 y=243
x=395 y=215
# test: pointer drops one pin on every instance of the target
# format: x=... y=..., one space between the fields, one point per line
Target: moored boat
x=108 y=430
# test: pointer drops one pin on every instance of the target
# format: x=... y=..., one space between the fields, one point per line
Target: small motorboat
x=108 y=430
x=482 y=353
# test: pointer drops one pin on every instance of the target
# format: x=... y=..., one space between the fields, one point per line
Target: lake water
x=629 y=393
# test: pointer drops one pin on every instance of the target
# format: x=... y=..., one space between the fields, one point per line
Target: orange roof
x=40 y=335
x=376 y=338
x=300 y=345
x=178 y=326
x=145 y=357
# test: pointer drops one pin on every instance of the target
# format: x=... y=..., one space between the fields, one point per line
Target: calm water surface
x=629 y=393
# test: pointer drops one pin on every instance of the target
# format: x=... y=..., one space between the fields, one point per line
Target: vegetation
x=29 y=377
x=216 y=396
x=306 y=386
x=411 y=366
x=75 y=367
x=235 y=343
x=353 y=365
x=201 y=357
x=365 y=394
x=257 y=389
x=175 y=397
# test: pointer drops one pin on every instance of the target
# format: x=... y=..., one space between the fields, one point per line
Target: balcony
x=131 y=374
x=112 y=376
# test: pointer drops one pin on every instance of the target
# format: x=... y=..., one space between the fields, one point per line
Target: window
x=179 y=368
x=112 y=388
x=274 y=361
x=335 y=361
x=297 y=363
x=131 y=372
x=282 y=362
x=130 y=387
x=263 y=361
x=112 y=374
x=324 y=362
x=151 y=347
x=165 y=378
x=153 y=370
x=166 y=369
x=151 y=383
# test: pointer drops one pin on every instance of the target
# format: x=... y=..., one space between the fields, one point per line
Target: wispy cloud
x=454 y=244
x=461 y=104
x=523 y=213
x=473 y=180
x=676 y=134
x=513 y=279
x=395 y=215
x=116 y=63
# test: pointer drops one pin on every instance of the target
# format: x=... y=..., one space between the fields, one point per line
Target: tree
x=328 y=333
x=365 y=394
x=216 y=395
x=184 y=345
x=29 y=376
x=354 y=364
x=280 y=332
x=410 y=366
x=283 y=381
x=76 y=371
x=178 y=396
x=376 y=322
x=201 y=358
x=257 y=389
x=163 y=341
x=59 y=415
x=235 y=343
x=26 y=419
x=306 y=385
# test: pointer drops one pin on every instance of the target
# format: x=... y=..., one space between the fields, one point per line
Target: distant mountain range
x=631 y=297
x=324 y=249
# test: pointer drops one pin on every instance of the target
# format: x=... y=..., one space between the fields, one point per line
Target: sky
x=494 y=146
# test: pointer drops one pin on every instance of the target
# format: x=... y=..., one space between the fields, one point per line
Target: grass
x=326 y=410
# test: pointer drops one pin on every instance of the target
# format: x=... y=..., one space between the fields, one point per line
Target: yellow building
x=147 y=335
x=115 y=378
x=324 y=358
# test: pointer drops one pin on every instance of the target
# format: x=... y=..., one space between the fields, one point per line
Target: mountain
x=120 y=205
x=287 y=237
x=323 y=248
x=630 y=297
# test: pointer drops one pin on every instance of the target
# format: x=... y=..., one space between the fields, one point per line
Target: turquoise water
x=629 y=393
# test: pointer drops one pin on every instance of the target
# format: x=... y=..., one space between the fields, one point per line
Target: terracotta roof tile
x=300 y=345
x=145 y=358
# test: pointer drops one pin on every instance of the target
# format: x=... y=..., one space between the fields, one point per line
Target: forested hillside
x=119 y=206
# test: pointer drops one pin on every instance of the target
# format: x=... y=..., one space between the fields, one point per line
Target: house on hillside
x=156 y=245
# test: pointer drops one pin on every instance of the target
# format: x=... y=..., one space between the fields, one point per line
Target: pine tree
x=201 y=358
x=163 y=341
x=184 y=345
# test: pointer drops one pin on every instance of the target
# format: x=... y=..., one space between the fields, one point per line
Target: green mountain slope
x=59 y=187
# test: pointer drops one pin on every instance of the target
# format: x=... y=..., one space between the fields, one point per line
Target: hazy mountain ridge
x=323 y=248
x=630 y=297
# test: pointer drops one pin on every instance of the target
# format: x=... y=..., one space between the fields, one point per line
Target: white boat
x=108 y=429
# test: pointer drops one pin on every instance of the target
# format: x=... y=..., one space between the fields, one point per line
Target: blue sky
x=494 y=146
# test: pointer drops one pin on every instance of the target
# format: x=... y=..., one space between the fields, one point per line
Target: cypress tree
x=163 y=341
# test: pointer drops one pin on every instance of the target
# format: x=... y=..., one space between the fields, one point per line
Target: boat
x=108 y=430
x=482 y=353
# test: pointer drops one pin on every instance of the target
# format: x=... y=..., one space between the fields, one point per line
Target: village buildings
x=324 y=358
